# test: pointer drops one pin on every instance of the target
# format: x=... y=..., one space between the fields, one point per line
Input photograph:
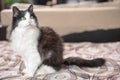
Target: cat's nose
x=30 y=22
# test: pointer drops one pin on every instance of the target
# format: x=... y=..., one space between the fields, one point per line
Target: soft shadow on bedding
x=97 y=36
x=3 y=33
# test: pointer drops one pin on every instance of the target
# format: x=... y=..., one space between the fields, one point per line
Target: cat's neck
x=24 y=37
x=25 y=34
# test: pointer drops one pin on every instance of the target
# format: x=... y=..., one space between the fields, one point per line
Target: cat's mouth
x=31 y=25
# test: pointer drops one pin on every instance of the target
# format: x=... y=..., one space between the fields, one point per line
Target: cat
x=41 y=47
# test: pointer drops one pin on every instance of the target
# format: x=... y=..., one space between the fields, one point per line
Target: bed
x=11 y=63
x=78 y=19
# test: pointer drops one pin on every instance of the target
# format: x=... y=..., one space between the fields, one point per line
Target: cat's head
x=24 y=18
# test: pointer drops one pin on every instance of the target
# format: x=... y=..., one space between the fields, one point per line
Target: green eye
x=31 y=17
x=23 y=18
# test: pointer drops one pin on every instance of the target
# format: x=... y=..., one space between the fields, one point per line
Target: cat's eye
x=31 y=17
x=23 y=18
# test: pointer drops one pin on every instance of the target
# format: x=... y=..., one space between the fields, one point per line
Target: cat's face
x=24 y=18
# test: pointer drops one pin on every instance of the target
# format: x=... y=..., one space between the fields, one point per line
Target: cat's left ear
x=15 y=11
x=30 y=8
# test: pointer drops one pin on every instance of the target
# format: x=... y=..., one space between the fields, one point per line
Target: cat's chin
x=31 y=26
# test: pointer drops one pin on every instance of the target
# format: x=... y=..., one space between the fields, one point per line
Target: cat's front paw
x=24 y=71
x=26 y=74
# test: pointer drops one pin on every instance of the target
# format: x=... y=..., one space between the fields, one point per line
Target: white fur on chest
x=23 y=40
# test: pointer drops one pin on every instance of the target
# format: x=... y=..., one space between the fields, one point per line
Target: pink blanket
x=11 y=63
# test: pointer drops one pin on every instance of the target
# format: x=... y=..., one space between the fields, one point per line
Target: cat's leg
x=31 y=67
x=32 y=62
x=45 y=69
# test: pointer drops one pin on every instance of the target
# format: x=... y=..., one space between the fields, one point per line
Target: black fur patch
x=51 y=42
x=84 y=63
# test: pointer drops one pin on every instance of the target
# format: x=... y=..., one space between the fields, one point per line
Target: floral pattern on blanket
x=11 y=63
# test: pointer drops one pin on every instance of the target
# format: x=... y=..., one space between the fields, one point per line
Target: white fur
x=44 y=69
x=24 y=40
x=49 y=54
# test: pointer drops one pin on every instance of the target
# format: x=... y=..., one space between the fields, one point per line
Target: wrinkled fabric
x=11 y=64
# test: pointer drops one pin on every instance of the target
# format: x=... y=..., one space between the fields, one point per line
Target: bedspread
x=11 y=63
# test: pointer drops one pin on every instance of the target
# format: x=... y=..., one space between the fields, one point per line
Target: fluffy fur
x=41 y=47
x=24 y=39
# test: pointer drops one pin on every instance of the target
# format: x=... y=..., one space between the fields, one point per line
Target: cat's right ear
x=15 y=11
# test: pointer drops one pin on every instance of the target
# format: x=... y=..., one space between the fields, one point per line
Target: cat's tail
x=83 y=62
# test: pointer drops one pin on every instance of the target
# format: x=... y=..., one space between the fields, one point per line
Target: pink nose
x=30 y=22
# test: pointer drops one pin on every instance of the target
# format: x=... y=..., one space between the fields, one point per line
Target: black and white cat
x=41 y=47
